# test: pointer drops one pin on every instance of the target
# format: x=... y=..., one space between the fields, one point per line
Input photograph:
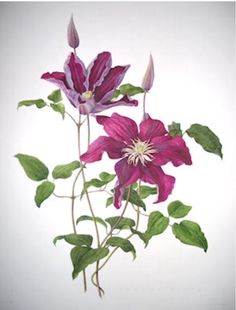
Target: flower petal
x=171 y=149
x=124 y=101
x=114 y=77
x=119 y=127
x=127 y=175
x=101 y=145
x=75 y=73
x=98 y=69
x=150 y=128
x=154 y=175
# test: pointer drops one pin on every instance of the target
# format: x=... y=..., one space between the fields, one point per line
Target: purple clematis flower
x=141 y=152
x=90 y=90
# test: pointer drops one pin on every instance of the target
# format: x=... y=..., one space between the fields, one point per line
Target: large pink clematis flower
x=141 y=152
x=90 y=90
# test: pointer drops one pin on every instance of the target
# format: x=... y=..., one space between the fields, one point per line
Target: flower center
x=87 y=94
x=139 y=151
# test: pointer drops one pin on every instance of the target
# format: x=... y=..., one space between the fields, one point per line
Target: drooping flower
x=72 y=34
x=141 y=152
x=149 y=76
x=91 y=90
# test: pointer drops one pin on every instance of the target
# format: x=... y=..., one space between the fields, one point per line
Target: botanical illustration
x=138 y=152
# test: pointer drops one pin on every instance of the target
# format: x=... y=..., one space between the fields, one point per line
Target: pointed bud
x=149 y=76
x=72 y=34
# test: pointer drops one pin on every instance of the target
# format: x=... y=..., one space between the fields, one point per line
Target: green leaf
x=43 y=191
x=130 y=90
x=55 y=96
x=90 y=218
x=122 y=243
x=134 y=198
x=115 y=94
x=33 y=167
x=190 y=233
x=58 y=107
x=106 y=177
x=109 y=201
x=157 y=224
x=39 y=103
x=75 y=239
x=82 y=257
x=143 y=236
x=65 y=171
x=206 y=138
x=123 y=223
x=146 y=191
x=175 y=130
x=177 y=209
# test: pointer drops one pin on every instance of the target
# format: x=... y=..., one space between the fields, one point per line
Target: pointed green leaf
x=82 y=257
x=146 y=191
x=143 y=236
x=115 y=94
x=90 y=218
x=134 y=198
x=190 y=233
x=39 y=103
x=109 y=201
x=177 y=209
x=43 y=191
x=157 y=224
x=33 y=167
x=106 y=177
x=55 y=96
x=58 y=107
x=75 y=239
x=130 y=90
x=206 y=138
x=122 y=243
x=65 y=171
x=123 y=223
x=174 y=129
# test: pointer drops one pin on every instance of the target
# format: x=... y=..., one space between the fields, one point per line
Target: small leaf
x=43 y=191
x=82 y=257
x=106 y=177
x=39 y=103
x=109 y=201
x=115 y=94
x=146 y=191
x=190 y=233
x=157 y=224
x=206 y=138
x=76 y=239
x=177 y=209
x=65 y=171
x=33 y=167
x=130 y=90
x=174 y=129
x=123 y=223
x=134 y=198
x=122 y=243
x=90 y=218
x=58 y=107
x=55 y=96
x=143 y=236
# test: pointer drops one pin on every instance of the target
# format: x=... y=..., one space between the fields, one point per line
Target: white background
x=193 y=50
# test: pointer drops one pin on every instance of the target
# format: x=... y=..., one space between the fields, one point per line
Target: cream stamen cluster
x=139 y=151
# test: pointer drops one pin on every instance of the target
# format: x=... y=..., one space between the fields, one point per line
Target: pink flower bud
x=72 y=34
x=149 y=76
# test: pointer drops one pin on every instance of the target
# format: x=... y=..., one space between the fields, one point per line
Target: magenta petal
x=114 y=77
x=119 y=127
x=75 y=73
x=154 y=175
x=101 y=145
x=150 y=128
x=98 y=69
x=171 y=149
x=124 y=101
x=127 y=175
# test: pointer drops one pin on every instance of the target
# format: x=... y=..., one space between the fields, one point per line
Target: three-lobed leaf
x=33 y=167
x=120 y=223
x=190 y=233
x=43 y=192
x=177 y=209
x=39 y=103
x=81 y=257
x=175 y=129
x=90 y=218
x=65 y=171
x=75 y=239
x=122 y=243
x=204 y=136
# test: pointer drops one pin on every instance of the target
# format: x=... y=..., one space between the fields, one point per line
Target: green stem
x=144 y=103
